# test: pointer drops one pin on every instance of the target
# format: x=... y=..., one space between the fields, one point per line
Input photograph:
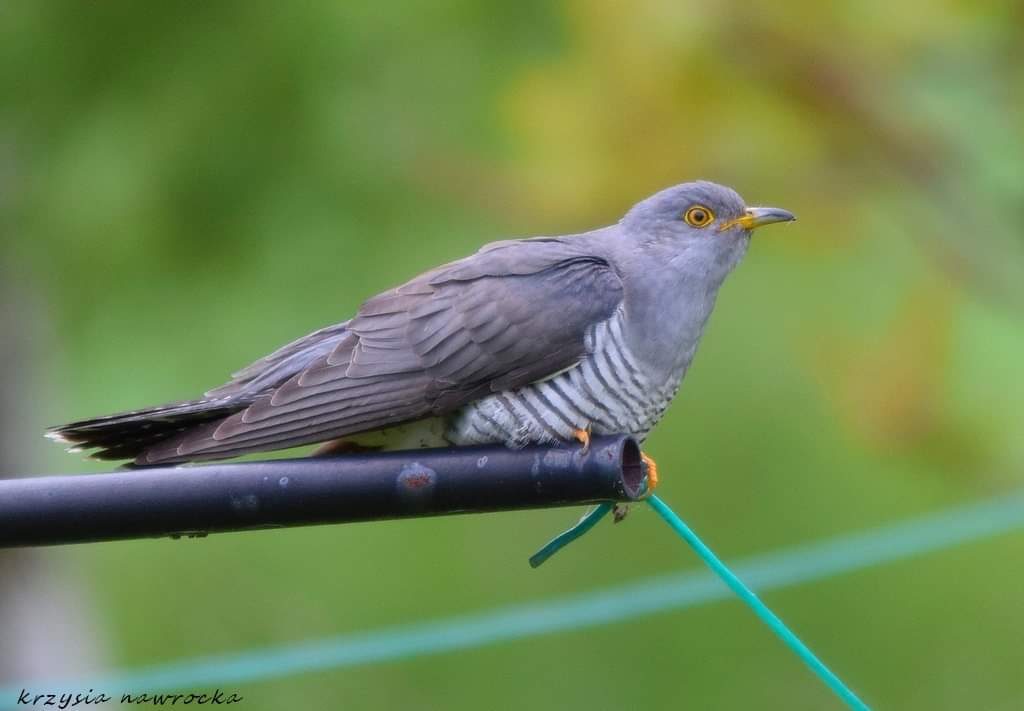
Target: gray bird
x=531 y=340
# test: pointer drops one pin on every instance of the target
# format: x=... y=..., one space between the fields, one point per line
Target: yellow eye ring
x=699 y=216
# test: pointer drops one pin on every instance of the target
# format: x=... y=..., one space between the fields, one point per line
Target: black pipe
x=196 y=500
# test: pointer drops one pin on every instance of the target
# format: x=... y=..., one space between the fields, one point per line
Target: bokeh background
x=186 y=186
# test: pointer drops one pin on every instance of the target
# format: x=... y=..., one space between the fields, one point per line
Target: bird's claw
x=583 y=437
x=652 y=473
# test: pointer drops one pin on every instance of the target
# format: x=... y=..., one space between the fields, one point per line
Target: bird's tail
x=127 y=434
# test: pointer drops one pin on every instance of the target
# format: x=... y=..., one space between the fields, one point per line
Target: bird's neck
x=667 y=305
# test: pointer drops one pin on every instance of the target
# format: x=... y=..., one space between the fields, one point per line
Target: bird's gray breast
x=609 y=391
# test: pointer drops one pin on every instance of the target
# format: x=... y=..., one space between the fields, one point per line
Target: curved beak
x=755 y=217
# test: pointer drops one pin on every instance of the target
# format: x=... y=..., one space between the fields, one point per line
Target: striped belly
x=607 y=392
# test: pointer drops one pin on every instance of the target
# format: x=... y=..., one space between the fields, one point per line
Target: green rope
x=589 y=520
x=777 y=626
x=760 y=609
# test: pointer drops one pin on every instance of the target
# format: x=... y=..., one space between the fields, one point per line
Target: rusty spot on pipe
x=415 y=477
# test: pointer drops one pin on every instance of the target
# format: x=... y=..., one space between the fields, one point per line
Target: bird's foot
x=583 y=437
x=652 y=473
x=619 y=512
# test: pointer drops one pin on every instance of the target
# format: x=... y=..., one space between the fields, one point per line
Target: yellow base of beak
x=756 y=217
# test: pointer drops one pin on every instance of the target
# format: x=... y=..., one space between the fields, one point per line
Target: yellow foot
x=652 y=473
x=583 y=436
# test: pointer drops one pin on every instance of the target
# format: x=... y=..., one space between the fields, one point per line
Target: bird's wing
x=511 y=314
x=272 y=370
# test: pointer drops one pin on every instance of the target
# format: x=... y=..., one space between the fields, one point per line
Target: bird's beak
x=755 y=217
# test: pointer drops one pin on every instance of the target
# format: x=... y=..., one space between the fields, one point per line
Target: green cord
x=777 y=626
x=760 y=609
x=563 y=539
x=589 y=520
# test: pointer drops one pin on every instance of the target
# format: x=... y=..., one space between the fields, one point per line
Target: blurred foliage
x=188 y=185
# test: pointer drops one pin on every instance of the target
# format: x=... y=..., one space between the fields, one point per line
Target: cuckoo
x=536 y=340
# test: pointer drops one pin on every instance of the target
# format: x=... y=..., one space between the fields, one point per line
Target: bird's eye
x=699 y=216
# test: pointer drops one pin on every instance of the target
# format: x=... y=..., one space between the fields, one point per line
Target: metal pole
x=196 y=500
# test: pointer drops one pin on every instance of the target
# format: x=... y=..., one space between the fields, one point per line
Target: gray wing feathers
x=280 y=365
x=511 y=314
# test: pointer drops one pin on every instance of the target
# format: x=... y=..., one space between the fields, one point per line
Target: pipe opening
x=632 y=468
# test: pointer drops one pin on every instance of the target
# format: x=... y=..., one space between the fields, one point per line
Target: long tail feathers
x=126 y=435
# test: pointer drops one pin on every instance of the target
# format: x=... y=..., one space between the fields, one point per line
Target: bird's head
x=699 y=221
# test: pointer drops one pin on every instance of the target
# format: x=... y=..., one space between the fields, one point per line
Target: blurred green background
x=186 y=186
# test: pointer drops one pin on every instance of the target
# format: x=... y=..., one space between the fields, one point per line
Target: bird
x=528 y=341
